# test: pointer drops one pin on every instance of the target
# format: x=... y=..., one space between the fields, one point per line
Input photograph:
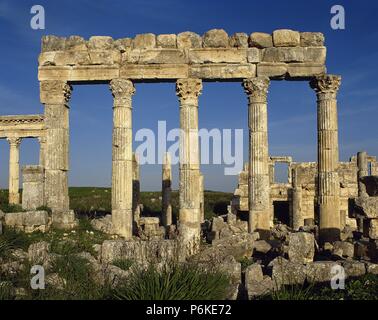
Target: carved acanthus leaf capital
x=187 y=89
x=326 y=83
x=122 y=88
x=14 y=141
x=55 y=92
x=256 y=87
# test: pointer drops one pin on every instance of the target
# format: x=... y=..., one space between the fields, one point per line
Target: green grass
x=124 y=264
x=175 y=282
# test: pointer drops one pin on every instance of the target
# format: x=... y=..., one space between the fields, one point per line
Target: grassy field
x=94 y=201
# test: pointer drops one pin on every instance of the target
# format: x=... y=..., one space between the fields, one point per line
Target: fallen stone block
x=286 y=38
x=301 y=247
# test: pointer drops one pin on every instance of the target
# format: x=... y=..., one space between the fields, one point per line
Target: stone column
x=326 y=87
x=55 y=96
x=202 y=197
x=42 y=151
x=362 y=165
x=258 y=176
x=136 y=188
x=122 y=162
x=14 y=170
x=32 y=187
x=166 y=190
x=188 y=91
x=297 y=215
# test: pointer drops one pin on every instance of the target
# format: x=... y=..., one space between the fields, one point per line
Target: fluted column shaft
x=258 y=176
x=188 y=91
x=326 y=88
x=55 y=96
x=166 y=190
x=14 y=170
x=362 y=165
x=136 y=188
x=42 y=150
x=122 y=159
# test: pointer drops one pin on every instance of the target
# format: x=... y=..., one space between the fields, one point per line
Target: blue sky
x=352 y=53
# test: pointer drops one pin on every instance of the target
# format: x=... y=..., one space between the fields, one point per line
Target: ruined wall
x=304 y=174
x=213 y=56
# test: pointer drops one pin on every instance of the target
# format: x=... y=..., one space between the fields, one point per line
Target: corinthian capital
x=14 y=141
x=188 y=89
x=256 y=87
x=122 y=88
x=55 y=92
x=327 y=83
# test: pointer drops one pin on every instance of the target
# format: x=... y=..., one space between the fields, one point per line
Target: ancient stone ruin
x=322 y=198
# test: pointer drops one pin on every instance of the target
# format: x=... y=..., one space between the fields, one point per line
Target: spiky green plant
x=174 y=282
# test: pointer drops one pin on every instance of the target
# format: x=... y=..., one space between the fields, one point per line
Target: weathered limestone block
x=65 y=221
x=215 y=38
x=373 y=229
x=123 y=44
x=144 y=41
x=343 y=249
x=271 y=70
x=188 y=39
x=305 y=70
x=256 y=283
x=100 y=43
x=301 y=247
x=283 y=54
x=260 y=40
x=47 y=58
x=285 y=272
x=103 y=224
x=150 y=229
x=222 y=71
x=312 y=39
x=286 y=38
x=372 y=268
x=155 y=56
x=320 y=271
x=28 y=221
x=75 y=43
x=368 y=206
x=33 y=187
x=166 y=41
x=142 y=252
x=353 y=268
x=239 y=40
x=156 y=71
x=104 y=57
x=215 y=55
x=253 y=55
x=53 y=43
x=315 y=54
x=262 y=246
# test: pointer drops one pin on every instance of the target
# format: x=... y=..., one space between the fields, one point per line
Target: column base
x=189 y=231
x=64 y=220
x=260 y=221
x=14 y=198
x=122 y=220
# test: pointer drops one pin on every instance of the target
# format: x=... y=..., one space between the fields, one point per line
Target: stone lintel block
x=312 y=39
x=283 y=54
x=239 y=40
x=100 y=43
x=215 y=38
x=222 y=71
x=217 y=55
x=166 y=41
x=32 y=173
x=144 y=41
x=154 y=71
x=78 y=73
x=260 y=40
x=253 y=55
x=104 y=57
x=315 y=54
x=286 y=38
x=154 y=56
x=189 y=39
x=272 y=70
x=305 y=70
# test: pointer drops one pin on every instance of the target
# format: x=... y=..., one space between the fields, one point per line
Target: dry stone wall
x=213 y=56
